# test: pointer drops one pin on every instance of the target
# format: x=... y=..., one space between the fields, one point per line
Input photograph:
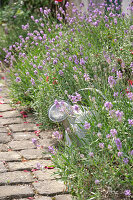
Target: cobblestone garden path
x=19 y=177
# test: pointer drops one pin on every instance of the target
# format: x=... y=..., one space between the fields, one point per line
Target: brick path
x=19 y=157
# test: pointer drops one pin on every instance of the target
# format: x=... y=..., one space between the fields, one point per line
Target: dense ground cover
x=59 y=59
x=13 y=14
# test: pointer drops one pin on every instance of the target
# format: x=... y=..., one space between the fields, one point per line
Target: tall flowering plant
x=61 y=61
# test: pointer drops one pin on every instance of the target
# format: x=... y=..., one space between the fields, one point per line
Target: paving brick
x=19 y=145
x=8 y=121
x=3 y=147
x=5 y=107
x=24 y=135
x=47 y=142
x=34 y=154
x=4 y=138
x=16 y=177
x=10 y=156
x=47 y=174
x=3 y=130
x=5 y=100
x=9 y=192
x=46 y=134
x=4 y=94
x=23 y=127
x=28 y=165
x=38 y=198
x=11 y=114
x=63 y=197
x=2 y=167
x=43 y=198
x=49 y=187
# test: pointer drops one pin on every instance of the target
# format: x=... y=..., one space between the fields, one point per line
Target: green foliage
x=86 y=63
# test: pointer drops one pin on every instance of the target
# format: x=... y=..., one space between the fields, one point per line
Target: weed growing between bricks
x=91 y=50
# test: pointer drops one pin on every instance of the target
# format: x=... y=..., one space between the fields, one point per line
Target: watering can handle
x=95 y=90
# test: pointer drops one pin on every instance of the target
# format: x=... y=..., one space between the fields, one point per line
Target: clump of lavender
x=60 y=59
x=118 y=143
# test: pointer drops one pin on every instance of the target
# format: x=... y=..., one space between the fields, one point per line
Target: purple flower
x=115 y=94
x=91 y=154
x=55 y=61
x=119 y=75
x=131 y=27
x=101 y=145
x=108 y=105
x=52 y=150
x=97 y=182
x=99 y=125
x=76 y=107
x=99 y=134
x=120 y=154
x=115 y=21
x=127 y=193
x=32 y=17
x=76 y=61
x=34 y=140
x=130 y=122
x=57 y=135
x=125 y=160
x=40 y=67
x=130 y=95
x=108 y=136
x=87 y=78
x=119 y=115
x=38 y=166
x=49 y=30
x=76 y=98
x=60 y=34
x=82 y=62
x=131 y=153
x=61 y=72
x=87 y=125
x=118 y=143
x=32 y=81
x=57 y=104
x=36 y=21
x=18 y=79
x=107 y=25
x=111 y=81
x=35 y=72
x=27 y=73
x=113 y=132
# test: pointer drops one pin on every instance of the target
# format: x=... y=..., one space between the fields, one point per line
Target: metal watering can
x=72 y=119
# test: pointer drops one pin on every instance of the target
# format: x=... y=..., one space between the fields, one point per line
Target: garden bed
x=57 y=59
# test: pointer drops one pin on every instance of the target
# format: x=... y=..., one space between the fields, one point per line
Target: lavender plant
x=72 y=61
